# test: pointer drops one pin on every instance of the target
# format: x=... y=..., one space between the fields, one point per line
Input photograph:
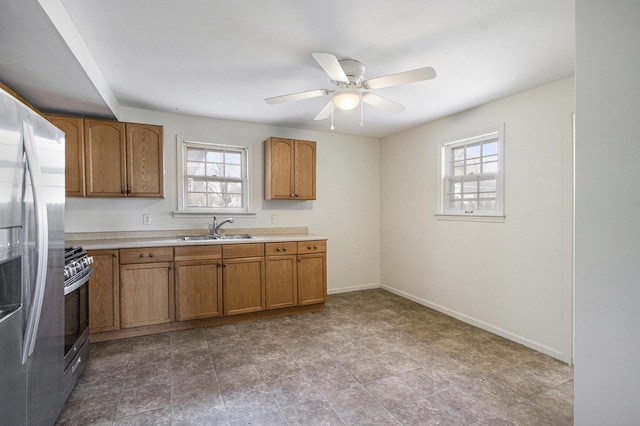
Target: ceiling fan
x=351 y=88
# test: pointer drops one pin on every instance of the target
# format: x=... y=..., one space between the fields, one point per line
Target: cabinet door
x=145 y=160
x=281 y=281
x=312 y=278
x=198 y=289
x=243 y=285
x=104 y=148
x=74 y=153
x=146 y=292
x=104 y=292
x=279 y=169
x=305 y=170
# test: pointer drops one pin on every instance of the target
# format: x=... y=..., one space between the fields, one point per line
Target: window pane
x=195 y=169
x=490 y=148
x=491 y=167
x=215 y=187
x=458 y=171
x=473 y=151
x=196 y=199
x=215 y=169
x=233 y=171
x=470 y=187
x=196 y=185
x=195 y=154
x=234 y=200
x=473 y=167
x=458 y=153
x=234 y=188
x=233 y=158
x=215 y=200
x=215 y=156
x=469 y=205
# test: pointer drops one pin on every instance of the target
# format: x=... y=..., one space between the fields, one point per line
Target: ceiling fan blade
x=331 y=66
x=382 y=103
x=326 y=111
x=420 y=74
x=296 y=96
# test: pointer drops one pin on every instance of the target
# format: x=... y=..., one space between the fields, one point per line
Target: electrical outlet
x=146 y=219
x=274 y=219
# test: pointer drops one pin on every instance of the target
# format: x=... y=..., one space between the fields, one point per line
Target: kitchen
x=527 y=304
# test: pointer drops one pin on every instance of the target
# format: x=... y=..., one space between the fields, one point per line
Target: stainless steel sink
x=236 y=237
x=217 y=237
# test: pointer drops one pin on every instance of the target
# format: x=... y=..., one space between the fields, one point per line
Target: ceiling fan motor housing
x=353 y=69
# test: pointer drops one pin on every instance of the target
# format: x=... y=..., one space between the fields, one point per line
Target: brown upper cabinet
x=289 y=169
x=73 y=128
x=112 y=159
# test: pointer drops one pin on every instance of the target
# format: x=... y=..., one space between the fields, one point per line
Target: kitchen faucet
x=215 y=226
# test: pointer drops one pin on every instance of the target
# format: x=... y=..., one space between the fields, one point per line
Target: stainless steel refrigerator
x=32 y=192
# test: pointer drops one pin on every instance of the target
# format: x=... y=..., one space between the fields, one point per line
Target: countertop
x=136 y=239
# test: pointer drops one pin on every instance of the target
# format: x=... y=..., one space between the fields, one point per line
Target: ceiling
x=223 y=58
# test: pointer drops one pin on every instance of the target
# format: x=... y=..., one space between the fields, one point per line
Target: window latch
x=468 y=211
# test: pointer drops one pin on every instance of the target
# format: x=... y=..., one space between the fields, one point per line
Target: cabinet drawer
x=230 y=251
x=312 y=247
x=197 y=253
x=146 y=255
x=276 y=249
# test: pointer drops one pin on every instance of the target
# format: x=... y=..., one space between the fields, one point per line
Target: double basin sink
x=217 y=237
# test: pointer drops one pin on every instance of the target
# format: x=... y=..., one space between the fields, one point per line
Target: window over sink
x=213 y=178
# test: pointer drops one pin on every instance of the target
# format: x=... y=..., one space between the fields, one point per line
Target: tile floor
x=371 y=358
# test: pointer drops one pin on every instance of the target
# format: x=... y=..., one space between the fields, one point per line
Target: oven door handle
x=82 y=281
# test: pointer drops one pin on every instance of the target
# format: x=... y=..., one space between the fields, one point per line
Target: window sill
x=183 y=214
x=469 y=218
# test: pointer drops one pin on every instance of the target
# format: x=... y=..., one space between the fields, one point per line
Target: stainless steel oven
x=77 y=272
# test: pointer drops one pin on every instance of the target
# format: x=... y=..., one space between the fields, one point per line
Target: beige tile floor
x=371 y=358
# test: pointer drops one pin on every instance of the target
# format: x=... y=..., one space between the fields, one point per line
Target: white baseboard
x=483 y=325
x=353 y=288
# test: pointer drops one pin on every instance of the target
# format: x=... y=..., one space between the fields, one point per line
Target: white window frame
x=445 y=176
x=183 y=208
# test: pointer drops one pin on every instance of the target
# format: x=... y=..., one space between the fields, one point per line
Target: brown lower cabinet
x=104 y=291
x=146 y=286
x=243 y=278
x=198 y=279
x=148 y=290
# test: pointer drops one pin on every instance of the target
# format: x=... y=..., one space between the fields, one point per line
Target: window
x=472 y=176
x=214 y=178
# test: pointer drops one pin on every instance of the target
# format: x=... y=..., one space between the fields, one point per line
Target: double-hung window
x=213 y=178
x=472 y=176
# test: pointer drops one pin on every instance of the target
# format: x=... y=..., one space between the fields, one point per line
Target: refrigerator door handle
x=42 y=243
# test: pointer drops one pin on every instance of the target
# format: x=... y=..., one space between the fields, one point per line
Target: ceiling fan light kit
x=351 y=88
x=346 y=99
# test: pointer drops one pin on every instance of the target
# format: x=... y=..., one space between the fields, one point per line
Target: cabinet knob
x=150 y=254
x=308 y=247
x=277 y=248
x=141 y=255
x=284 y=249
x=315 y=247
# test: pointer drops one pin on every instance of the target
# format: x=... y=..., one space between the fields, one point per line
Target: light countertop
x=136 y=239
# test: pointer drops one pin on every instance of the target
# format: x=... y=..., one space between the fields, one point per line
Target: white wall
x=607 y=366
x=512 y=278
x=346 y=210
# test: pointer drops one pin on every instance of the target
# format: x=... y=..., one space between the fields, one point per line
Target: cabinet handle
x=141 y=255
x=150 y=254
x=278 y=249
x=224 y=264
x=308 y=247
x=284 y=249
x=315 y=247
